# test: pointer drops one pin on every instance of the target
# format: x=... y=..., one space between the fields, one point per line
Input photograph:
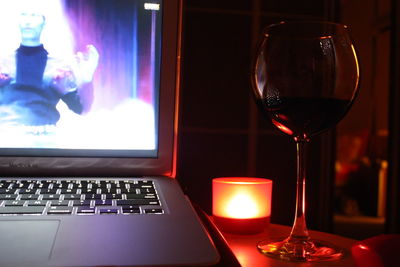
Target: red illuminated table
x=244 y=248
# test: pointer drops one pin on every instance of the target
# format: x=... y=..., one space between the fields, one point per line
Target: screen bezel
x=163 y=163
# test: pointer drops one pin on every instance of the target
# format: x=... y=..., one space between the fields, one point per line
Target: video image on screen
x=79 y=74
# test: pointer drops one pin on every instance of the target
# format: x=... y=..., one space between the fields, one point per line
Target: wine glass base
x=304 y=251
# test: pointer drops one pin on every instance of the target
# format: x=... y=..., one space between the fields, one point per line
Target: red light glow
x=282 y=127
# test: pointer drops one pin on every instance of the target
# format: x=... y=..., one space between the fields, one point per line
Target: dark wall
x=222 y=132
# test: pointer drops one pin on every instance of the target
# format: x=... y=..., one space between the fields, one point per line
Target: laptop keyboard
x=79 y=197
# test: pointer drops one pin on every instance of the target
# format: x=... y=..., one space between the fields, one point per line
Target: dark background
x=222 y=131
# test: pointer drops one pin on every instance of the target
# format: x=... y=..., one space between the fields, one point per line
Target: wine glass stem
x=299 y=233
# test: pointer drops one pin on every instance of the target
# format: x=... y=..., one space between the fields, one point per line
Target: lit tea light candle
x=241 y=204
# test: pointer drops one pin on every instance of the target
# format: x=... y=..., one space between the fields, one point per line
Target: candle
x=241 y=204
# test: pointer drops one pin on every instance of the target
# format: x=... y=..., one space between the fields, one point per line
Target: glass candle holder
x=241 y=205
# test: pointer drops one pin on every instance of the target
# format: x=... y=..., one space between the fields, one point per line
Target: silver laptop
x=88 y=135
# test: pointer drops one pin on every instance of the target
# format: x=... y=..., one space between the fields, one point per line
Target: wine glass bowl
x=305 y=77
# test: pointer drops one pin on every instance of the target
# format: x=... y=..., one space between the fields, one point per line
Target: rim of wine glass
x=268 y=30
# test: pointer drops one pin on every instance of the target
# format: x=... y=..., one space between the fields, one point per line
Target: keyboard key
x=59 y=202
x=29 y=197
x=135 y=210
x=22 y=184
x=59 y=210
x=27 y=191
x=94 y=185
x=72 y=196
x=4 y=184
x=37 y=203
x=109 y=211
x=113 y=196
x=134 y=186
x=130 y=207
x=86 y=210
x=21 y=210
x=40 y=185
x=140 y=196
x=88 y=191
x=14 y=203
x=111 y=191
x=8 y=196
x=7 y=191
x=101 y=202
x=61 y=185
x=147 y=190
x=74 y=186
x=153 y=211
x=81 y=203
x=103 y=185
x=51 y=196
x=136 y=202
x=92 y=196
x=128 y=190
x=145 y=182
x=69 y=191
x=48 y=191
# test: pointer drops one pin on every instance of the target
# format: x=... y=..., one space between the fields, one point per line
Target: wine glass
x=306 y=77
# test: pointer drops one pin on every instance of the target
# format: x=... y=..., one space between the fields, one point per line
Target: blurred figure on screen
x=32 y=81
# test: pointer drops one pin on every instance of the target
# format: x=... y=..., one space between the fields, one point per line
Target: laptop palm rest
x=27 y=240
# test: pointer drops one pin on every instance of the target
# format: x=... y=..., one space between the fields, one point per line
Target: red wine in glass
x=306 y=78
x=298 y=116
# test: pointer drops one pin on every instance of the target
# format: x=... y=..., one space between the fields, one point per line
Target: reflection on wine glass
x=306 y=77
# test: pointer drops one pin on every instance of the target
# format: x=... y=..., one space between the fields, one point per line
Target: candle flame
x=242 y=206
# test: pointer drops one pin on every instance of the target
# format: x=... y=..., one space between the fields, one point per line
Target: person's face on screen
x=31 y=26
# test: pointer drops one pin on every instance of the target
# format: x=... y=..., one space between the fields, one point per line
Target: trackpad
x=28 y=240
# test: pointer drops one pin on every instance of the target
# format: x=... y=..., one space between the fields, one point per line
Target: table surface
x=244 y=248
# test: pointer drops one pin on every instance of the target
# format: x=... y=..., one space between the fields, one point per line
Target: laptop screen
x=88 y=81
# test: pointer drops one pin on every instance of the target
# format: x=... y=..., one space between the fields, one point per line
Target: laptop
x=88 y=134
